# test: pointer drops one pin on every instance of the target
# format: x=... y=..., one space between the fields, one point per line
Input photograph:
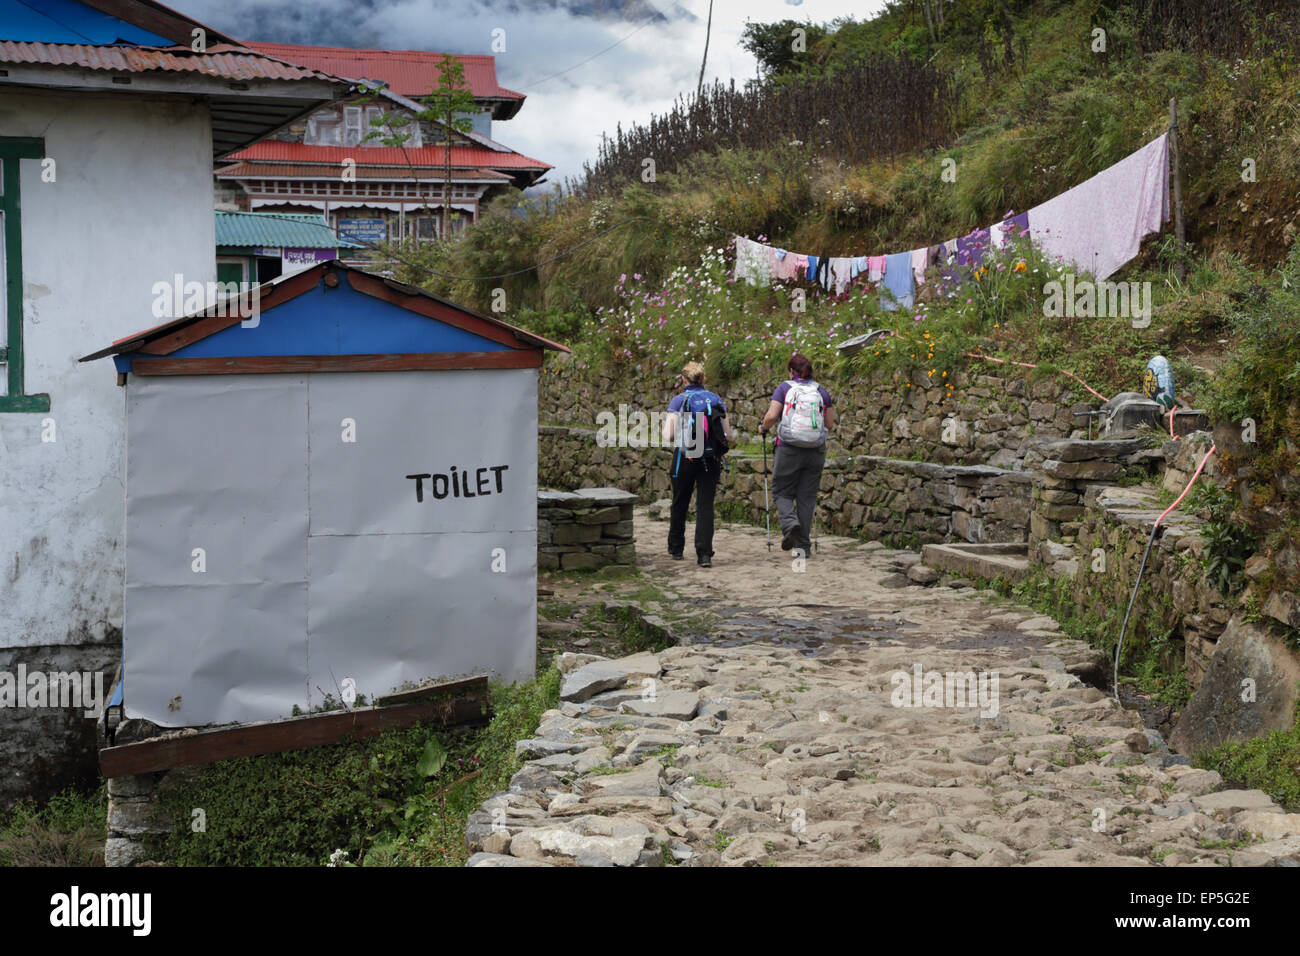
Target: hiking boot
x=789 y=538
x=675 y=555
x=704 y=561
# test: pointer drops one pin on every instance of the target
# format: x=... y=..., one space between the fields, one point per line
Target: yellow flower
x=1020 y=267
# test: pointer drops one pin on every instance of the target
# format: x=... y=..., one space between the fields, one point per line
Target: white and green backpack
x=803 y=423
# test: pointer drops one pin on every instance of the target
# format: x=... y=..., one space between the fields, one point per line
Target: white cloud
x=564 y=116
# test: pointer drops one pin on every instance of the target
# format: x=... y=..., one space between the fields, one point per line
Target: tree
x=772 y=44
x=445 y=106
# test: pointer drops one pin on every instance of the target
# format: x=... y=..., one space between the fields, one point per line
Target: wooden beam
x=297 y=364
x=174 y=26
x=476 y=685
x=293 y=733
x=269 y=297
x=1179 y=230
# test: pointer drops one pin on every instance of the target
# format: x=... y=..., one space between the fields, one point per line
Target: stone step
x=1011 y=560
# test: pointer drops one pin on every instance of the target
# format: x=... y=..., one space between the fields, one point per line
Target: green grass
x=1270 y=763
x=69 y=830
x=401 y=798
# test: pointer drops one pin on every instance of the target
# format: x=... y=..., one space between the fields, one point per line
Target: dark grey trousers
x=796 y=476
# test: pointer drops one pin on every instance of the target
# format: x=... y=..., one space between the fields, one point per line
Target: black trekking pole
x=767 y=507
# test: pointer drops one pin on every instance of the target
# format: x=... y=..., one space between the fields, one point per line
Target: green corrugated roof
x=287 y=230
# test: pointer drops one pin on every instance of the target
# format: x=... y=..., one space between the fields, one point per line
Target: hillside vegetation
x=1028 y=99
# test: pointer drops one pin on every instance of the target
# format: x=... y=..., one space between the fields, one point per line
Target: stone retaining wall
x=584 y=529
x=997 y=420
x=1070 y=470
x=866 y=496
x=1101 y=546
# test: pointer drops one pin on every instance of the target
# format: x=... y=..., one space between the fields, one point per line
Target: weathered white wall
x=131 y=205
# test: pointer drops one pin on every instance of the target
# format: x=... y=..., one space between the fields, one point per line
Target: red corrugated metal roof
x=331 y=171
x=467 y=156
x=221 y=60
x=408 y=72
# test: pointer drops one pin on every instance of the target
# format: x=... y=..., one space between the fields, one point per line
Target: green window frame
x=12 y=150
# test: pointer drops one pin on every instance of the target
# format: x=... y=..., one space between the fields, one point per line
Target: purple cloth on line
x=971 y=248
x=948 y=261
x=1100 y=223
x=1015 y=227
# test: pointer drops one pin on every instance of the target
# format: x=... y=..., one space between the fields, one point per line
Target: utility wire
x=590 y=58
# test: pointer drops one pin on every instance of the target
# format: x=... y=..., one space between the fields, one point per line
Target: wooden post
x=1179 y=230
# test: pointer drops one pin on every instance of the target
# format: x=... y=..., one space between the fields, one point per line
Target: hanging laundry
x=753 y=262
x=859 y=265
x=824 y=278
x=948 y=260
x=1015 y=227
x=811 y=275
x=920 y=262
x=1099 y=224
x=875 y=268
x=789 y=265
x=971 y=248
x=995 y=236
x=897 y=288
x=842 y=270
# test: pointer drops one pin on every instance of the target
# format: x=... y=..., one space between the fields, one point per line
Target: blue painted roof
x=67 y=21
x=285 y=230
x=335 y=309
x=338 y=321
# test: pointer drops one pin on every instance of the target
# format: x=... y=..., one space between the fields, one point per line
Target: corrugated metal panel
x=307 y=171
x=224 y=61
x=408 y=72
x=292 y=230
x=275 y=151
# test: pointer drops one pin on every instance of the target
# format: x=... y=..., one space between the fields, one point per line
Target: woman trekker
x=803 y=409
x=696 y=424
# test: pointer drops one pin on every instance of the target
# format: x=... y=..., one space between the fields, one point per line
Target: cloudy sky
x=553 y=51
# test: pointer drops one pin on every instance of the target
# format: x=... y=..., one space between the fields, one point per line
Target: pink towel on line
x=920 y=262
x=1099 y=224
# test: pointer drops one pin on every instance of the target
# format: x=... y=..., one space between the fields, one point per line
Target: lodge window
x=352 y=122
x=13 y=397
x=325 y=129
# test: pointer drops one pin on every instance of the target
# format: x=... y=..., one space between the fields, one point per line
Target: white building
x=109 y=124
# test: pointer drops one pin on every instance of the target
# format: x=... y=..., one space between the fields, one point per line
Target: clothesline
x=1097 y=225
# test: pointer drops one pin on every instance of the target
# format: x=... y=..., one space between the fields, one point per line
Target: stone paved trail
x=792 y=753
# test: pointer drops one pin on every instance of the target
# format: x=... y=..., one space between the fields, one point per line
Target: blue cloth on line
x=898 y=281
x=812 y=268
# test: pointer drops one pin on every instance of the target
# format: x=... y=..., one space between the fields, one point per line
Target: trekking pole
x=767 y=508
